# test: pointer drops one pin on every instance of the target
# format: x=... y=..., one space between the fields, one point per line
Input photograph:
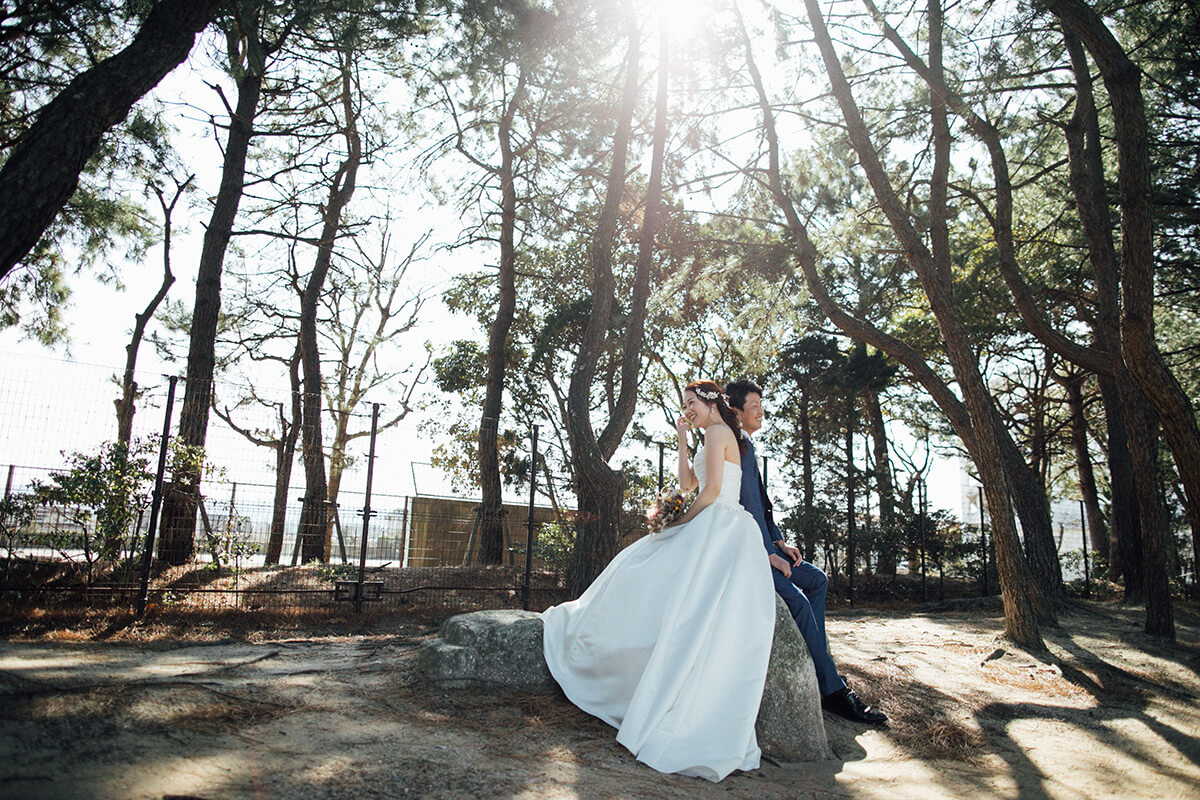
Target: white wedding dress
x=670 y=643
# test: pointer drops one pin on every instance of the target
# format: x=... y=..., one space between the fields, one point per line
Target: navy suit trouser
x=804 y=593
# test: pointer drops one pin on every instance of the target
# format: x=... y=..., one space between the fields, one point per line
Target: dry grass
x=922 y=720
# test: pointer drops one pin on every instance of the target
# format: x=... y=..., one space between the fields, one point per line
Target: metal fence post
x=983 y=543
x=232 y=545
x=851 y=515
x=12 y=536
x=337 y=526
x=404 y=534
x=296 y=545
x=922 y=492
x=529 y=531
x=366 y=512
x=661 y=447
x=156 y=501
x=1087 y=576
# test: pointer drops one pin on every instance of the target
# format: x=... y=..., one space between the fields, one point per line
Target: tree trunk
x=1149 y=547
x=1039 y=440
x=1038 y=579
x=1019 y=590
x=177 y=545
x=491 y=511
x=1122 y=79
x=597 y=527
x=1142 y=555
x=1097 y=527
x=1024 y=602
x=314 y=512
x=1121 y=397
x=333 y=489
x=285 y=459
x=631 y=344
x=337 y=467
x=883 y=481
x=1033 y=511
x=809 y=532
x=1125 y=546
x=125 y=406
x=1027 y=484
x=600 y=487
x=42 y=170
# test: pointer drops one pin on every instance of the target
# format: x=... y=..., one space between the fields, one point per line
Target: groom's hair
x=737 y=391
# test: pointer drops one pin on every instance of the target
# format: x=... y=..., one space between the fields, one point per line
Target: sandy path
x=346 y=718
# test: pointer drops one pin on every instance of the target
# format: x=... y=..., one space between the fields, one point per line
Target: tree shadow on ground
x=1125 y=695
x=936 y=725
x=395 y=734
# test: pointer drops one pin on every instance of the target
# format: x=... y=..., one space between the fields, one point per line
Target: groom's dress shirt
x=753 y=497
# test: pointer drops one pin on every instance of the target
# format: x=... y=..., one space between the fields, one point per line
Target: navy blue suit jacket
x=753 y=497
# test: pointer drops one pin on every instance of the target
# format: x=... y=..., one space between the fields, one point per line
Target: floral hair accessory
x=706 y=394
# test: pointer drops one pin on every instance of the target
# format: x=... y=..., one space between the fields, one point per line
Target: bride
x=670 y=643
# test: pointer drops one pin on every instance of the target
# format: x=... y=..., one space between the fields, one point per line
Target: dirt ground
x=1111 y=714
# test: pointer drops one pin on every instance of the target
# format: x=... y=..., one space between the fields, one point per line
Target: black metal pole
x=851 y=526
x=983 y=543
x=404 y=535
x=1087 y=573
x=156 y=498
x=230 y=535
x=12 y=535
x=661 y=447
x=921 y=492
x=296 y=544
x=529 y=529
x=366 y=512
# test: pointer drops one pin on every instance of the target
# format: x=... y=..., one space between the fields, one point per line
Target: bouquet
x=667 y=508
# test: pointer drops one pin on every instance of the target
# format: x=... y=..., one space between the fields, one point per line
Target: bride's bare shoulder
x=718 y=429
x=718 y=434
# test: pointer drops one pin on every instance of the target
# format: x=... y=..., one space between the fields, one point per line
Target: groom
x=801 y=585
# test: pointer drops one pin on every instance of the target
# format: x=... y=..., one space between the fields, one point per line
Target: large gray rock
x=501 y=647
x=790 y=724
x=505 y=648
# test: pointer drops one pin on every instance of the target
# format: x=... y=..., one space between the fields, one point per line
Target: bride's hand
x=683 y=427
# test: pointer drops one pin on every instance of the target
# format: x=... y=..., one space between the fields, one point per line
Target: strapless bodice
x=731 y=479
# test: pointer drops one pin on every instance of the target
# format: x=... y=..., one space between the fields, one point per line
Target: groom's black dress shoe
x=846 y=703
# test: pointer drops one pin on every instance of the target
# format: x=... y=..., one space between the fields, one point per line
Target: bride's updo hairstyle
x=711 y=394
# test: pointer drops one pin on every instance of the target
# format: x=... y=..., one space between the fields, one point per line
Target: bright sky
x=100 y=318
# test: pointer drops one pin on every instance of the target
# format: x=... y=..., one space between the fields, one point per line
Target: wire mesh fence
x=63 y=544
x=78 y=512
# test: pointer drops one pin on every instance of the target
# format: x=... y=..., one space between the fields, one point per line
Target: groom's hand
x=780 y=563
x=792 y=553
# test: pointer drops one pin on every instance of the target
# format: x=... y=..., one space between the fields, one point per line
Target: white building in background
x=1065 y=519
